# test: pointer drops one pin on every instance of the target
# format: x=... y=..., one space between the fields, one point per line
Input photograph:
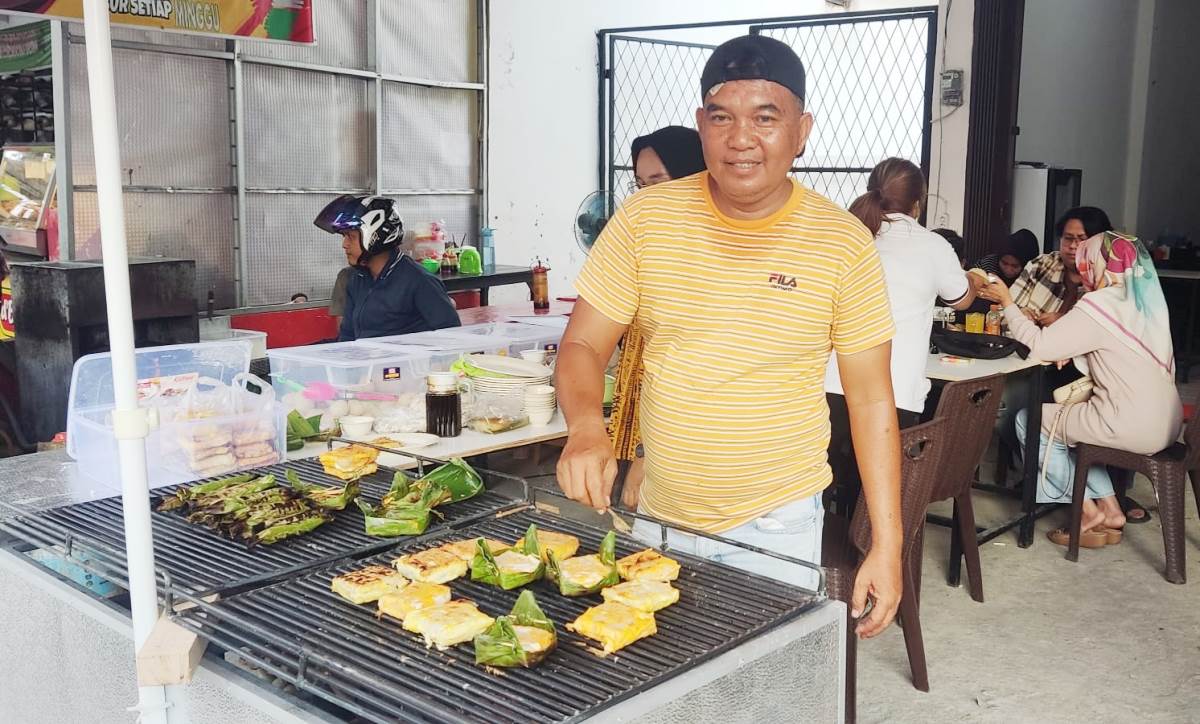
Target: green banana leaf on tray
x=583 y=575
x=522 y=638
x=329 y=498
x=512 y=568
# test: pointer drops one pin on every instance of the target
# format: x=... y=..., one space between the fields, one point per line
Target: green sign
x=25 y=47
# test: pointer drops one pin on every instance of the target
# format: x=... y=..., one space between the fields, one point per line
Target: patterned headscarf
x=1125 y=296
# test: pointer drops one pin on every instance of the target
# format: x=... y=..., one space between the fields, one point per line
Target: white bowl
x=537 y=356
x=539 y=390
x=356 y=425
x=541 y=418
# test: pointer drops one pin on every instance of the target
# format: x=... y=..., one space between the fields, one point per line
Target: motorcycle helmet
x=374 y=216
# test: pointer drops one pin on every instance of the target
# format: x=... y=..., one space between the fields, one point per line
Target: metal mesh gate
x=870 y=85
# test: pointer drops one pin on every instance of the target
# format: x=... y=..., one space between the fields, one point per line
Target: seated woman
x=919 y=266
x=1120 y=329
x=387 y=293
x=1048 y=286
x=667 y=154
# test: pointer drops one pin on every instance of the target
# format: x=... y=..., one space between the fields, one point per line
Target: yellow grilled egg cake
x=614 y=625
x=414 y=597
x=465 y=549
x=368 y=584
x=448 y=624
x=648 y=565
x=644 y=595
x=436 y=565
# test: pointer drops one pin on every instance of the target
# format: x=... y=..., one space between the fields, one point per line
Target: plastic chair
x=1168 y=473
x=844 y=544
x=971 y=406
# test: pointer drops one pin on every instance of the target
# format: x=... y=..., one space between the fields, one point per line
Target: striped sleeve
x=609 y=278
x=862 y=315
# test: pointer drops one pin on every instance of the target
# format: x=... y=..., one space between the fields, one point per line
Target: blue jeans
x=793 y=530
x=1060 y=470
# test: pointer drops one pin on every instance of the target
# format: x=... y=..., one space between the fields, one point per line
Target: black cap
x=753 y=57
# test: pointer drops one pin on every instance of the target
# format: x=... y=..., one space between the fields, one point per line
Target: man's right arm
x=587 y=467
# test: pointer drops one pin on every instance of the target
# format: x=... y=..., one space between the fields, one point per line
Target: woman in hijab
x=1119 y=333
x=1019 y=249
x=667 y=154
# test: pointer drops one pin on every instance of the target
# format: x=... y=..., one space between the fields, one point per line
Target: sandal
x=1128 y=505
x=1112 y=536
x=1087 y=539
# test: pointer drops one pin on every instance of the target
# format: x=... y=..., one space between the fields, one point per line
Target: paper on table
x=544 y=320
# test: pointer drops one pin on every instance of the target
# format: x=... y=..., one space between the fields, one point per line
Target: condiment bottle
x=541 y=287
x=443 y=405
x=487 y=249
x=991 y=324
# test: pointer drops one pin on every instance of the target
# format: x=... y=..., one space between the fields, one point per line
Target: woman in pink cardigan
x=1120 y=335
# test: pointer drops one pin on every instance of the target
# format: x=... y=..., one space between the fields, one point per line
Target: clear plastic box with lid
x=348 y=378
x=204 y=420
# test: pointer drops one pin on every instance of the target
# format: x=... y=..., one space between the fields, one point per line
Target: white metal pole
x=129 y=424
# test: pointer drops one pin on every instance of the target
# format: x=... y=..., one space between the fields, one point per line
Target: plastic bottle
x=991 y=324
x=541 y=286
x=487 y=250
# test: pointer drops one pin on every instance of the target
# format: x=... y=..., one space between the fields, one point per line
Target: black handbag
x=976 y=346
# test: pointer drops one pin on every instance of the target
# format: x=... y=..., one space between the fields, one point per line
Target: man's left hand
x=878 y=577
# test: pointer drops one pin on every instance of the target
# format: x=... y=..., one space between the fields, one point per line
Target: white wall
x=542 y=148
x=1076 y=88
x=1171 y=158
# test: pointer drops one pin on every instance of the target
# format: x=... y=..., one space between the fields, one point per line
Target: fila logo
x=782 y=281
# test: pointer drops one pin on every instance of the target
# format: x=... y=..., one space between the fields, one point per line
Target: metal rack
x=195 y=560
x=301 y=632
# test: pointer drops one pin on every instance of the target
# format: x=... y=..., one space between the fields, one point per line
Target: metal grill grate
x=199 y=561
x=298 y=630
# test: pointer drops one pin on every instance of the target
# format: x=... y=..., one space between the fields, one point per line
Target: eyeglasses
x=1069 y=239
x=632 y=186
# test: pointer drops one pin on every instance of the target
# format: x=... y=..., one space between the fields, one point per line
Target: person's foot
x=1114 y=518
x=1093 y=520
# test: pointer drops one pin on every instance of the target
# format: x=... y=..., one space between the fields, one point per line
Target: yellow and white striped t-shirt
x=739 y=319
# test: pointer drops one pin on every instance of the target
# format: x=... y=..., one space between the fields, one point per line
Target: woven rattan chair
x=1168 y=474
x=970 y=408
x=844 y=543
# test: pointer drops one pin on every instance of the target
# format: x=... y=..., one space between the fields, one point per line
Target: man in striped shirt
x=743 y=282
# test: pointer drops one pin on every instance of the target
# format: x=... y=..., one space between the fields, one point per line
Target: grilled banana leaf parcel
x=329 y=498
x=522 y=638
x=510 y=569
x=402 y=511
x=457 y=479
x=582 y=575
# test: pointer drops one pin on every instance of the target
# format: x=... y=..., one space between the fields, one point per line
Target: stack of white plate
x=505 y=376
x=541 y=402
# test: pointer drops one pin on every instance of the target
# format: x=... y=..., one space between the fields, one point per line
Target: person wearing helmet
x=387 y=293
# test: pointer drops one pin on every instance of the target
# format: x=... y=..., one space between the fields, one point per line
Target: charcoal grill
x=193 y=559
x=301 y=632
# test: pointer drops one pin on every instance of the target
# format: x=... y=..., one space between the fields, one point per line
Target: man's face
x=1073 y=235
x=352 y=245
x=1010 y=266
x=649 y=169
x=752 y=131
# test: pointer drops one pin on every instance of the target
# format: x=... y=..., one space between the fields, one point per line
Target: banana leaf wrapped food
x=581 y=575
x=458 y=480
x=512 y=568
x=251 y=509
x=182 y=496
x=329 y=498
x=465 y=549
x=564 y=545
x=522 y=638
x=408 y=505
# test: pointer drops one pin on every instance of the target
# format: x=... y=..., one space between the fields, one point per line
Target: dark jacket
x=405 y=298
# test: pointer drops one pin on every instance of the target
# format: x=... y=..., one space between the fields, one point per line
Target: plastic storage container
x=442 y=346
x=257 y=339
x=506 y=338
x=350 y=378
x=203 y=420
